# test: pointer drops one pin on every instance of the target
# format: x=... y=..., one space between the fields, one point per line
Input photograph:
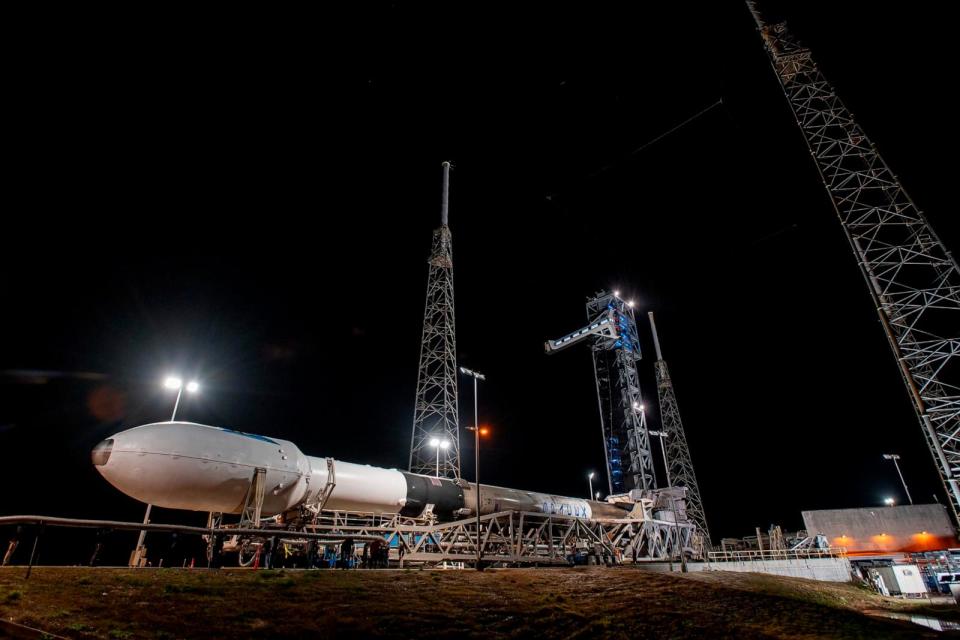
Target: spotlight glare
x=173 y=382
x=193 y=386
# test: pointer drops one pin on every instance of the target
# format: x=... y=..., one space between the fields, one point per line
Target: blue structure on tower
x=615 y=346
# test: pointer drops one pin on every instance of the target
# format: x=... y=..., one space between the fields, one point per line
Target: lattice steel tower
x=913 y=279
x=612 y=335
x=435 y=415
x=679 y=464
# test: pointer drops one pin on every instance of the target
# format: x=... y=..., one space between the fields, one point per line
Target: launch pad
x=263 y=494
x=506 y=538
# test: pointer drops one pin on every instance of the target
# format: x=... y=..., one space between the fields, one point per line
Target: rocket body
x=182 y=465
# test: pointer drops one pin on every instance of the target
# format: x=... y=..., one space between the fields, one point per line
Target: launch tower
x=612 y=334
x=912 y=277
x=435 y=414
x=678 y=464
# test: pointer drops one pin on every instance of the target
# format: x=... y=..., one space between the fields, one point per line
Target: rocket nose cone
x=101 y=453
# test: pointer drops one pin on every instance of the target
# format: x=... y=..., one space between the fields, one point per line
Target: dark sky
x=249 y=200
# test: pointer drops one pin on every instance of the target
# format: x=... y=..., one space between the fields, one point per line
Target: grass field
x=515 y=603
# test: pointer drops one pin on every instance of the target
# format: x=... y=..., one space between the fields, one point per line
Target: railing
x=775 y=554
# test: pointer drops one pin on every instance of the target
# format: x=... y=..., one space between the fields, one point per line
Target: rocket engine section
x=183 y=465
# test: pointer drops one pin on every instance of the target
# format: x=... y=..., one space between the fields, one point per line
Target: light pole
x=476 y=449
x=895 y=458
x=590 y=480
x=172 y=382
x=438 y=444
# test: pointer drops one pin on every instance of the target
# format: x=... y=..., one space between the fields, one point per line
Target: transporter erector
x=195 y=467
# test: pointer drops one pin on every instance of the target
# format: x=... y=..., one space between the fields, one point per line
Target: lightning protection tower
x=677 y=455
x=913 y=280
x=435 y=414
x=612 y=335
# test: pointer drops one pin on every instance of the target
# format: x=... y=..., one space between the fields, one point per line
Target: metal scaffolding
x=435 y=414
x=512 y=538
x=612 y=333
x=679 y=465
x=913 y=280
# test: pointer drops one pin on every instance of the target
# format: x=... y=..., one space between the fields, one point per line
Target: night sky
x=249 y=201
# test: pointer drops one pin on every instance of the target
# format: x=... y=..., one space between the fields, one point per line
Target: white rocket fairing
x=182 y=465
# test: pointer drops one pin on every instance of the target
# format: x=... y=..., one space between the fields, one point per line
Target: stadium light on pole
x=895 y=458
x=174 y=382
x=438 y=444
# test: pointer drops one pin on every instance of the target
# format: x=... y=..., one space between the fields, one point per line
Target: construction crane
x=677 y=461
x=913 y=280
x=612 y=335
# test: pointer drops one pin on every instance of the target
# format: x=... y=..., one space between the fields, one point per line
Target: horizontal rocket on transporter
x=182 y=465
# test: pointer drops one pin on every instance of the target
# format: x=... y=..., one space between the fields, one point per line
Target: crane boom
x=603 y=326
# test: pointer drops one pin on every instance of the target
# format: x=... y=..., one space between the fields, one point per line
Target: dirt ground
x=588 y=602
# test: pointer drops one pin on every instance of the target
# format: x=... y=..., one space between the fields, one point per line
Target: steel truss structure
x=679 y=464
x=435 y=414
x=913 y=279
x=622 y=415
x=612 y=334
x=511 y=538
